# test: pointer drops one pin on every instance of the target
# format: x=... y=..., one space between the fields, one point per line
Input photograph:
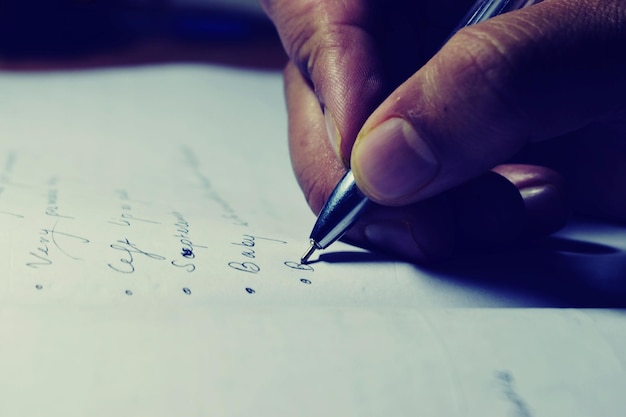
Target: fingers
x=545 y=198
x=488 y=209
x=332 y=45
x=494 y=87
x=314 y=162
x=593 y=162
x=419 y=233
x=491 y=211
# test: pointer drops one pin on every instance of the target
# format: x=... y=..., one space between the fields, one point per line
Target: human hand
x=549 y=71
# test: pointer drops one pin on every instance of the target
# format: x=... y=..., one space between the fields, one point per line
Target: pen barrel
x=342 y=209
x=346 y=202
x=485 y=9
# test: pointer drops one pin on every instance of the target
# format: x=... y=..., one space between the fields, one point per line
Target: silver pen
x=347 y=202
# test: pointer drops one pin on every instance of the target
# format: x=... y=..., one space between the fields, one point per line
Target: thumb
x=521 y=77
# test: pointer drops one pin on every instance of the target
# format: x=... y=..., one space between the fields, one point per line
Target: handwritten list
x=146 y=186
x=150 y=232
x=173 y=183
x=176 y=234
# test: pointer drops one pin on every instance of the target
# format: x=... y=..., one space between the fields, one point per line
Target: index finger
x=332 y=44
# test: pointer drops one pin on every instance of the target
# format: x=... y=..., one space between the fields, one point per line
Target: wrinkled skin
x=495 y=137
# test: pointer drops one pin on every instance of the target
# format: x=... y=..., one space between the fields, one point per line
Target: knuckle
x=316 y=183
x=485 y=58
x=314 y=194
x=316 y=34
x=299 y=24
x=494 y=70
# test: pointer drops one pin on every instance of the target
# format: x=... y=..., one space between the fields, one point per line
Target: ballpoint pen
x=347 y=203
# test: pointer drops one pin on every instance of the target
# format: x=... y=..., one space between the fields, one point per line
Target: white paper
x=173 y=183
x=151 y=228
x=310 y=362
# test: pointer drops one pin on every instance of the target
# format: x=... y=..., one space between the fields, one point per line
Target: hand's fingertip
x=392 y=162
x=421 y=233
x=546 y=209
x=489 y=208
x=315 y=165
x=526 y=202
x=544 y=194
x=395 y=236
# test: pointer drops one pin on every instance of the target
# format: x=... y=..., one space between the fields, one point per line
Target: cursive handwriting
x=520 y=408
x=19 y=216
x=126 y=262
x=249 y=243
x=52 y=206
x=126 y=218
x=299 y=266
x=228 y=212
x=250 y=267
x=187 y=245
x=53 y=238
x=52 y=209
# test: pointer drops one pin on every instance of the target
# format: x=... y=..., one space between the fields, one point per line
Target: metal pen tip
x=305 y=258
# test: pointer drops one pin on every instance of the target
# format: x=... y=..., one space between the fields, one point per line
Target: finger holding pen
x=420 y=232
x=423 y=232
x=330 y=69
x=333 y=46
x=494 y=88
x=464 y=105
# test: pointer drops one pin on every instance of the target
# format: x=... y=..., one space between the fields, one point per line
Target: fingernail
x=392 y=162
x=545 y=208
x=394 y=236
x=333 y=133
x=538 y=198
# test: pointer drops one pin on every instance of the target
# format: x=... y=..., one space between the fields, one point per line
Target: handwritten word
x=19 y=216
x=508 y=388
x=249 y=243
x=187 y=246
x=228 y=212
x=126 y=263
x=126 y=218
x=52 y=206
x=245 y=267
x=298 y=266
x=53 y=238
x=123 y=195
x=302 y=268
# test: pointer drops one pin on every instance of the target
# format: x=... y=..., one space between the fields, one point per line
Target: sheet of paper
x=151 y=228
x=169 y=183
x=311 y=362
x=174 y=183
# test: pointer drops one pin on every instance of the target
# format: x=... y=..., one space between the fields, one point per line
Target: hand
x=426 y=128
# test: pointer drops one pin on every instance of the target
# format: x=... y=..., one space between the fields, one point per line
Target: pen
x=347 y=203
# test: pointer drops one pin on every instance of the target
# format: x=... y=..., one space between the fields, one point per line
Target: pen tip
x=305 y=258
